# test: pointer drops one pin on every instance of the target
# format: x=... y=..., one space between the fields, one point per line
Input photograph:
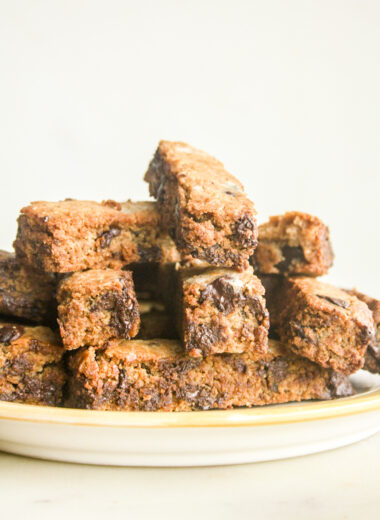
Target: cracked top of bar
x=204 y=208
x=73 y=235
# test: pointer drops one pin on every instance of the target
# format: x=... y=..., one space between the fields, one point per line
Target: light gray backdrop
x=286 y=93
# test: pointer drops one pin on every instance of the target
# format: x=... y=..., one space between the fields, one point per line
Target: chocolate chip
x=200 y=397
x=289 y=254
x=237 y=364
x=202 y=337
x=275 y=371
x=222 y=294
x=149 y=254
x=246 y=231
x=10 y=333
x=230 y=193
x=106 y=237
x=45 y=219
x=335 y=301
x=298 y=330
x=122 y=308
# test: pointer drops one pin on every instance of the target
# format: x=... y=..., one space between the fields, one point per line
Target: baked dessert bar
x=204 y=208
x=293 y=244
x=157 y=376
x=372 y=356
x=25 y=292
x=321 y=322
x=155 y=321
x=73 y=235
x=31 y=367
x=221 y=310
x=95 y=306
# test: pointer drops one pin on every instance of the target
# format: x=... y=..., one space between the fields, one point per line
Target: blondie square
x=323 y=323
x=31 y=366
x=293 y=244
x=221 y=310
x=156 y=375
x=95 y=306
x=204 y=208
x=73 y=235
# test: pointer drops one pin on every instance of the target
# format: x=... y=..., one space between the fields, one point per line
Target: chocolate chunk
x=202 y=337
x=222 y=294
x=340 y=385
x=256 y=306
x=289 y=254
x=106 y=237
x=276 y=370
x=297 y=329
x=336 y=301
x=237 y=363
x=10 y=333
x=246 y=231
x=120 y=307
x=149 y=254
x=199 y=397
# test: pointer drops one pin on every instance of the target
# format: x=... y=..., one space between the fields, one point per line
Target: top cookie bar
x=73 y=235
x=203 y=206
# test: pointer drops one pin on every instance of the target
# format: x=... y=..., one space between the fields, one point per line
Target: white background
x=286 y=93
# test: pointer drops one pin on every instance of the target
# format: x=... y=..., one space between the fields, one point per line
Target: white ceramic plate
x=191 y=438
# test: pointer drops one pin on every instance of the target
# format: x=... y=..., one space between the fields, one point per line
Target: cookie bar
x=293 y=244
x=155 y=321
x=25 y=292
x=372 y=356
x=221 y=310
x=31 y=367
x=73 y=235
x=323 y=323
x=204 y=208
x=95 y=306
x=156 y=375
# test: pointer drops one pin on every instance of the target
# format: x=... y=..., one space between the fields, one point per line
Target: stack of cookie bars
x=179 y=304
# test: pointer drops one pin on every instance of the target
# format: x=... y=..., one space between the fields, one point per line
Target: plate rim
x=286 y=413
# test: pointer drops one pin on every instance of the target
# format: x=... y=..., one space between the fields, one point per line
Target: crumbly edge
x=183 y=384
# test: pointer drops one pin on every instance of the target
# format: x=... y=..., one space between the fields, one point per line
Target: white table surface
x=340 y=484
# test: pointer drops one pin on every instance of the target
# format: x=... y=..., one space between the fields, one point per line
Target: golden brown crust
x=96 y=306
x=31 y=366
x=204 y=208
x=73 y=235
x=293 y=244
x=157 y=375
